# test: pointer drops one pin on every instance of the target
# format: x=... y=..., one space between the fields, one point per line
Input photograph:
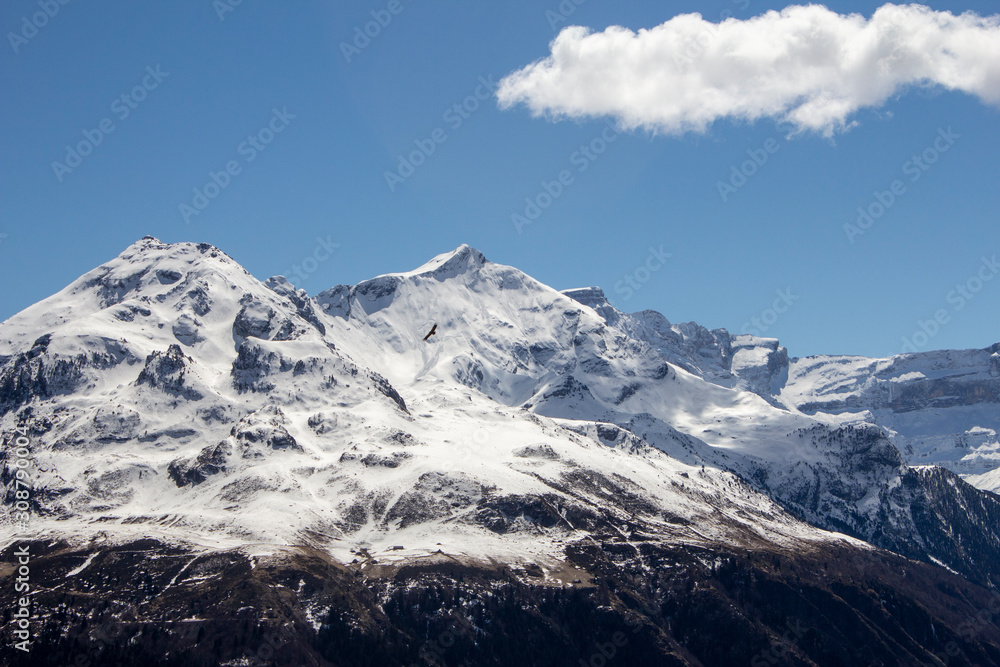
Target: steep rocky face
x=744 y=362
x=39 y=372
x=863 y=489
x=900 y=384
x=940 y=408
x=168 y=371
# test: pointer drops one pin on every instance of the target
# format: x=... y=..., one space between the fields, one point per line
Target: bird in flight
x=431 y=332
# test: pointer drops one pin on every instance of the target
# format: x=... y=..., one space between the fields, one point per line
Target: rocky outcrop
x=169 y=372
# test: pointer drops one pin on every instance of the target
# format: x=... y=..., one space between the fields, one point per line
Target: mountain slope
x=939 y=408
x=574 y=357
x=170 y=390
x=170 y=396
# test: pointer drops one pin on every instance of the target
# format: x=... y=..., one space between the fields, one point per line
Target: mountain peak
x=151 y=251
x=145 y=243
x=463 y=259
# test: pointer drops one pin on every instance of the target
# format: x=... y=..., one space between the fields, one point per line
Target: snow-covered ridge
x=169 y=391
x=939 y=407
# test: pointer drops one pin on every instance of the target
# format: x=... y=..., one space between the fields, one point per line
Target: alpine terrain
x=459 y=465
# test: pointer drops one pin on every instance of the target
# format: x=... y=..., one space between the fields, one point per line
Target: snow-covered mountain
x=170 y=388
x=524 y=345
x=939 y=408
x=169 y=394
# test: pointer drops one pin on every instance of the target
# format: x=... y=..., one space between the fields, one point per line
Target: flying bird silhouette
x=432 y=331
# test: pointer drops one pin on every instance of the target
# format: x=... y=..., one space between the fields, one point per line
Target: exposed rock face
x=939 y=408
x=254 y=320
x=167 y=372
x=934 y=406
x=39 y=373
x=211 y=461
x=303 y=304
x=386 y=389
x=745 y=362
x=265 y=428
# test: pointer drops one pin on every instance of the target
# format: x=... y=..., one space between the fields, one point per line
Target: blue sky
x=329 y=125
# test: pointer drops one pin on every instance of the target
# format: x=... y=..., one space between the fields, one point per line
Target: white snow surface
x=270 y=424
x=939 y=408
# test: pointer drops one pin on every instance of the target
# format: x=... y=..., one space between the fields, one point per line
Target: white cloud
x=805 y=65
